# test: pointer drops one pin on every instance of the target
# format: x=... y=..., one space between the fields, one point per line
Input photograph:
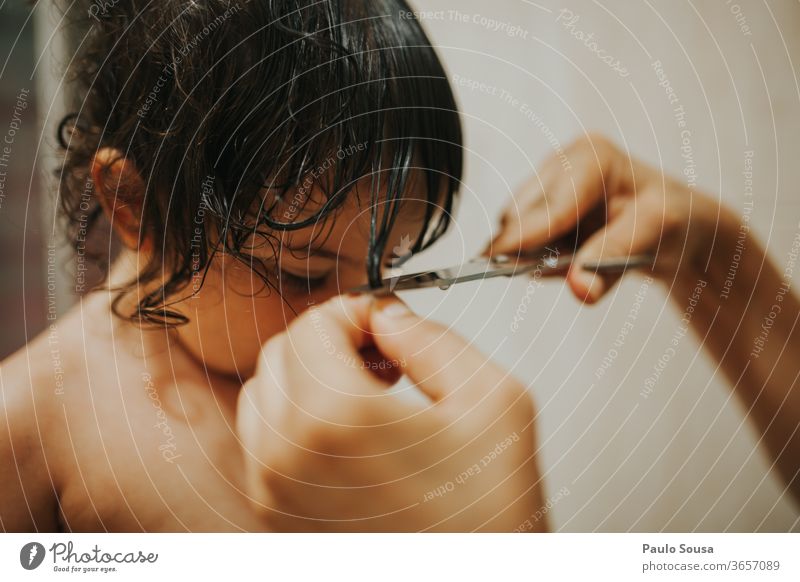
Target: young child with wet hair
x=250 y=159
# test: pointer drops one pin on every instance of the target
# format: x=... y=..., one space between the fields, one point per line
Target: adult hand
x=328 y=447
x=609 y=205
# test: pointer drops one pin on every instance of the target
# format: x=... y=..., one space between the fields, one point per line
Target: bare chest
x=152 y=458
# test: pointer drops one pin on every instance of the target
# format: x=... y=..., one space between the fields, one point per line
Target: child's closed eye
x=302 y=283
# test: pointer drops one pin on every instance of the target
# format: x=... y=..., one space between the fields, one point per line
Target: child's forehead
x=345 y=231
x=355 y=208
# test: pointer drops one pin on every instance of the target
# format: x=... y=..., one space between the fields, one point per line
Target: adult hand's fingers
x=441 y=363
x=327 y=345
x=544 y=211
x=631 y=232
x=312 y=375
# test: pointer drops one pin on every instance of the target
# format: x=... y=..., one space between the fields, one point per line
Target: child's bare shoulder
x=36 y=381
x=102 y=430
x=42 y=386
x=29 y=425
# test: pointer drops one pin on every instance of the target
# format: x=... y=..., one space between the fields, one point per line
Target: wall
x=22 y=261
x=684 y=458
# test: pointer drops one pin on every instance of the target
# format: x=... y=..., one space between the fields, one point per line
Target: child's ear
x=120 y=190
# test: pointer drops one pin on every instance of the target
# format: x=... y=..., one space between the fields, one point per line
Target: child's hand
x=328 y=448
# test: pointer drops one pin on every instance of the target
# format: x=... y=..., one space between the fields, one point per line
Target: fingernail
x=392 y=307
x=358 y=300
x=594 y=290
x=499 y=244
x=592 y=284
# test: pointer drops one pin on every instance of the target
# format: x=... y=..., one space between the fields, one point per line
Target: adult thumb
x=440 y=362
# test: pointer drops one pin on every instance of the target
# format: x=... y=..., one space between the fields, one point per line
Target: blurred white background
x=684 y=458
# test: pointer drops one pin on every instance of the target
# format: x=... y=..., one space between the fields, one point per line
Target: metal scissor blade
x=474 y=270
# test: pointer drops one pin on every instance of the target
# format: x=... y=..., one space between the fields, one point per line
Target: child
x=253 y=157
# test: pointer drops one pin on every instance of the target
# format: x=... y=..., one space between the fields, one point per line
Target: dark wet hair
x=225 y=107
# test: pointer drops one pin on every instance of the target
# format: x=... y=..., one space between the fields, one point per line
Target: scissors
x=547 y=262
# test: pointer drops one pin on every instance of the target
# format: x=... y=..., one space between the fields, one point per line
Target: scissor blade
x=445 y=277
x=474 y=270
